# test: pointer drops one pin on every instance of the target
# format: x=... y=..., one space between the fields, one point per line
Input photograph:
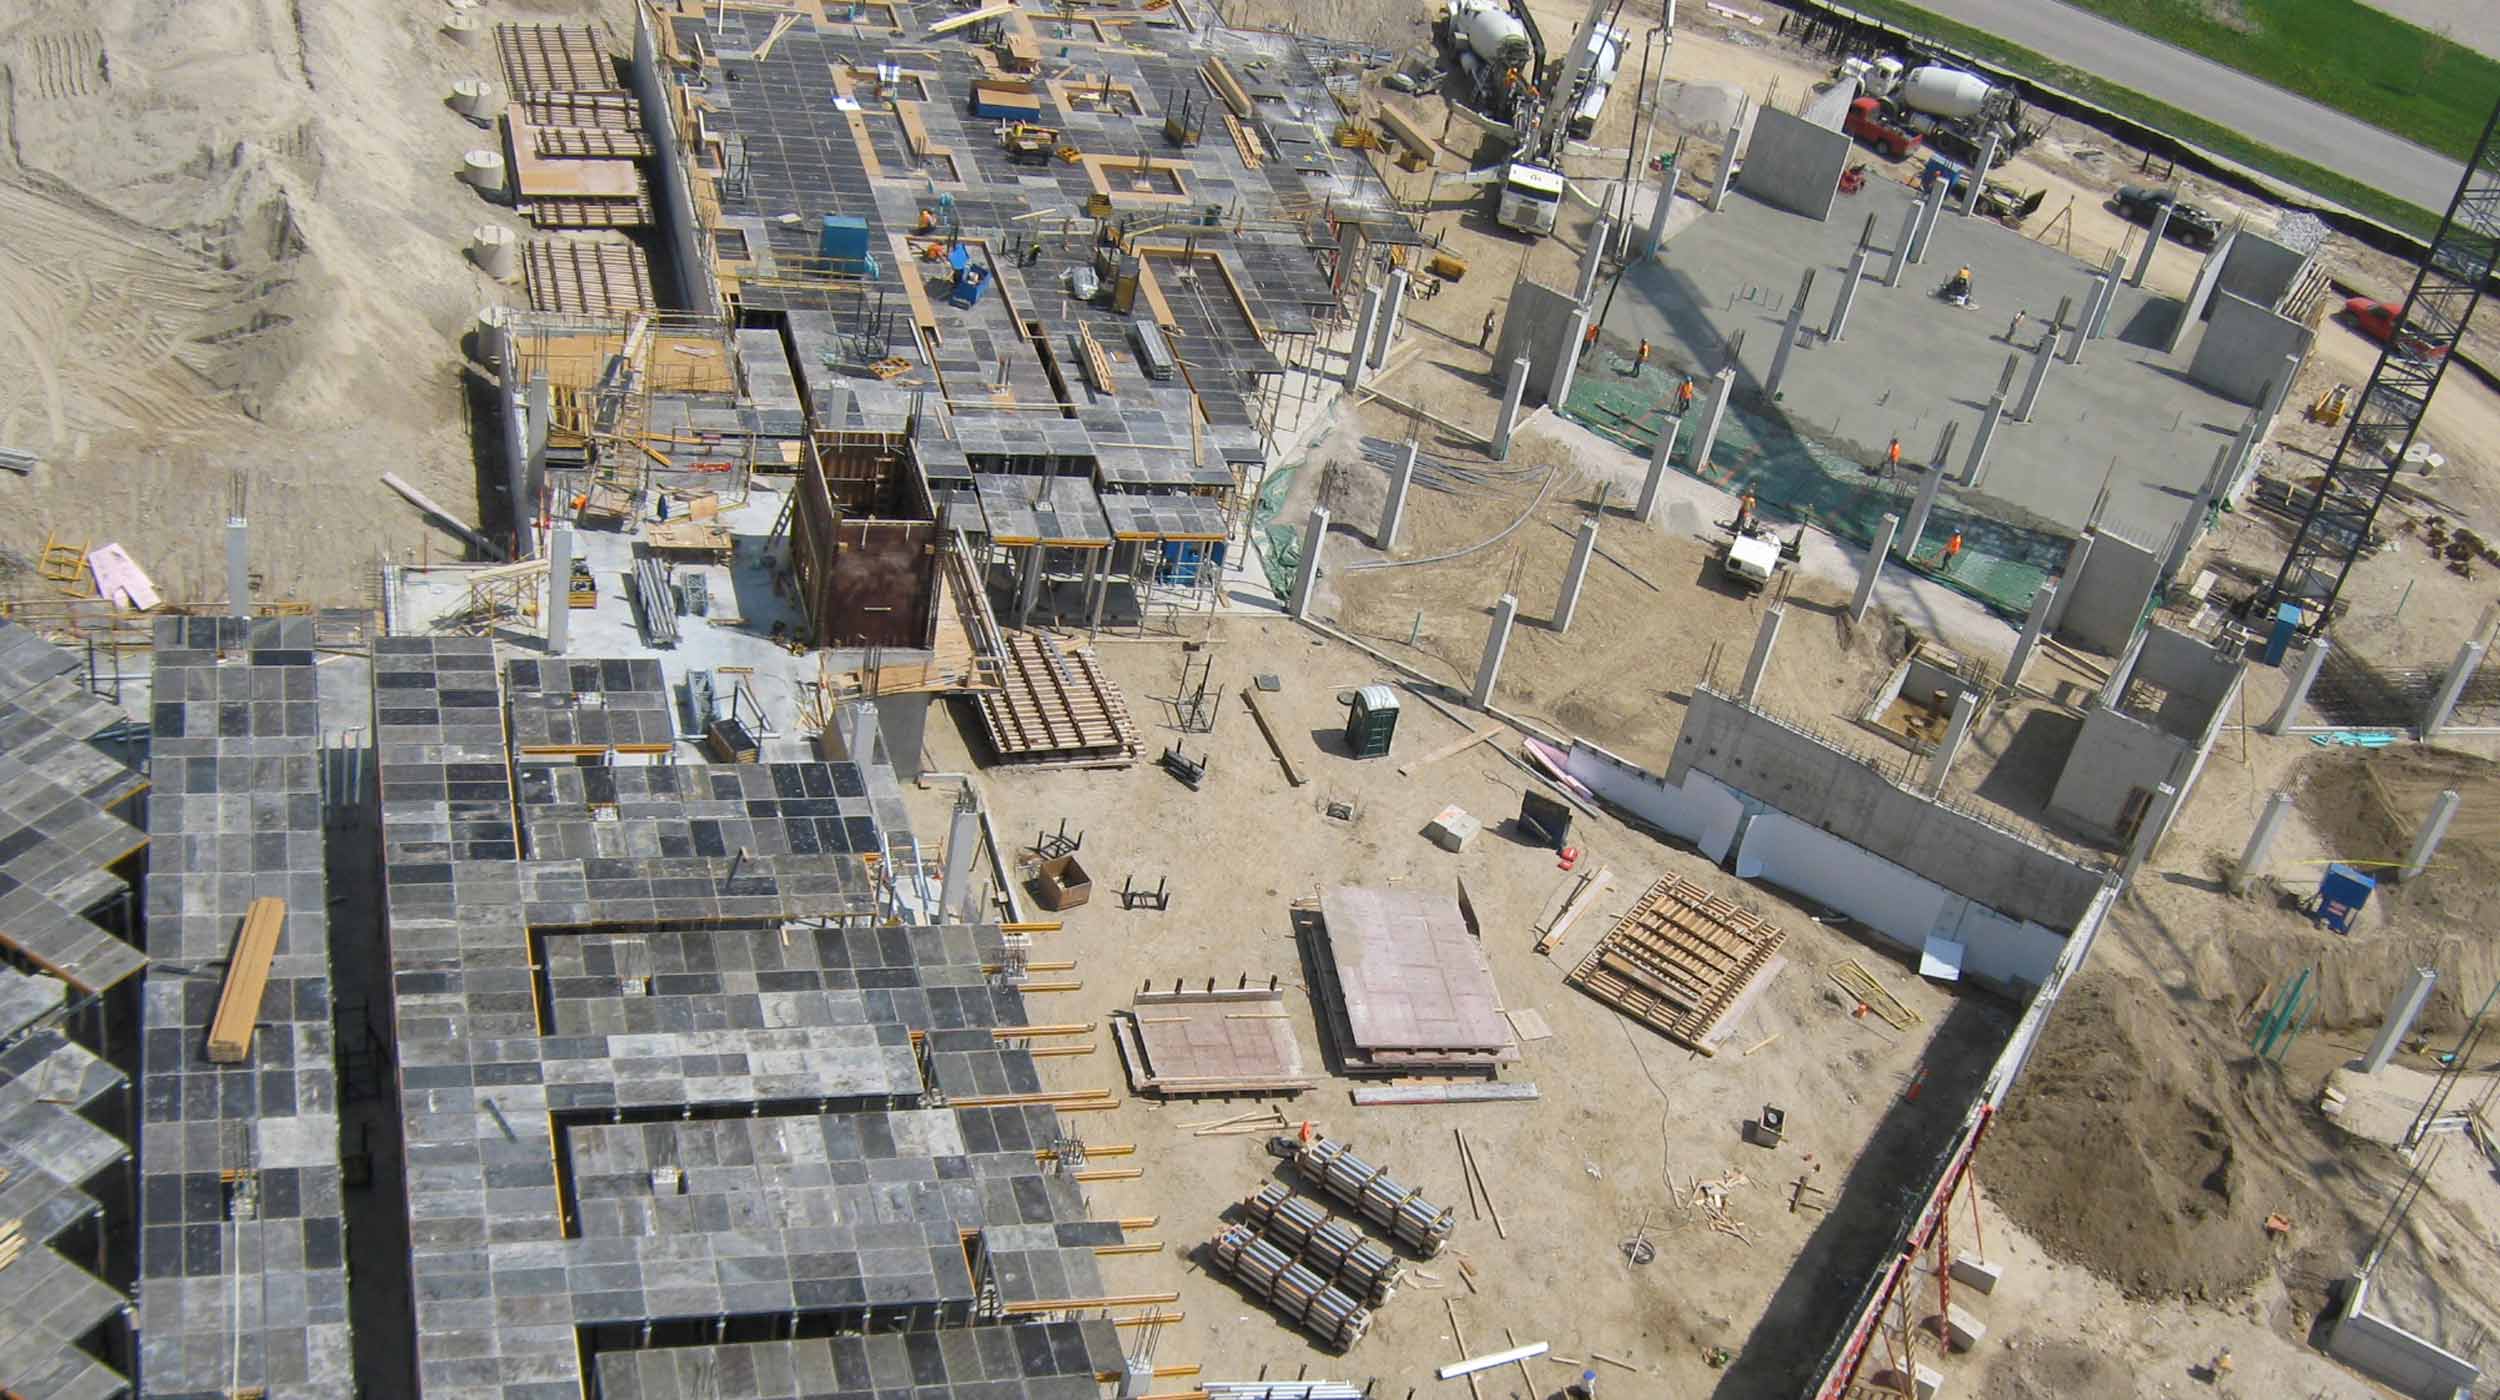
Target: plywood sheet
x=1411 y=976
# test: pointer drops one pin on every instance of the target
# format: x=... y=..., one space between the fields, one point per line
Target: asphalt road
x=2260 y=111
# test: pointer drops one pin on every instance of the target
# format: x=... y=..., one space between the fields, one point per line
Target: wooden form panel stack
x=1056 y=705
x=587 y=276
x=1678 y=960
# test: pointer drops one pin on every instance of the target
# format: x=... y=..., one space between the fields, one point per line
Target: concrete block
x=1961 y=1330
x=1452 y=829
x=1977 y=1274
x=1926 y=1382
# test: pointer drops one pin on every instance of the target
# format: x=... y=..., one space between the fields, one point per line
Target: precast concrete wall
x=2260 y=270
x=1532 y=325
x=1802 y=775
x=1904 y=908
x=2106 y=599
x=2208 y=276
x=2243 y=349
x=1700 y=809
x=2116 y=761
x=2196 y=676
x=2396 y=1358
x=1793 y=164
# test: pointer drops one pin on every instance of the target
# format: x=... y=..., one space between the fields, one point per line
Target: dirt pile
x=2117 y=1149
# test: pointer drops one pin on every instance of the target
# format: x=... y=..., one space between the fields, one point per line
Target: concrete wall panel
x=691 y=271
x=1531 y=322
x=2208 y=275
x=2113 y=759
x=2106 y=600
x=1701 y=809
x=2380 y=1349
x=1793 y=164
x=2243 y=348
x=2260 y=270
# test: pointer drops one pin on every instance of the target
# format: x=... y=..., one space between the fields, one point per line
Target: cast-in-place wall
x=2260 y=270
x=1789 y=770
x=693 y=272
x=1793 y=164
x=1700 y=809
x=2385 y=1352
x=2102 y=604
x=2208 y=276
x=2243 y=349
x=2115 y=763
x=1532 y=325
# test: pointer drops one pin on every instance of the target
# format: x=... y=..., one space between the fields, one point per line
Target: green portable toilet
x=1371 y=721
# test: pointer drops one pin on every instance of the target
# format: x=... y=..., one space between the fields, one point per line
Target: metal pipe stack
x=1417 y=1223
x=1321 y=1309
x=1334 y=1247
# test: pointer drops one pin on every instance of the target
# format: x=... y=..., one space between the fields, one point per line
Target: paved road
x=2221 y=95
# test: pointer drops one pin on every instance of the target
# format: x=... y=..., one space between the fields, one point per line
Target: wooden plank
x=1490 y=731
x=247 y=979
x=1580 y=901
x=1678 y=960
x=1403 y=1094
x=1275 y=744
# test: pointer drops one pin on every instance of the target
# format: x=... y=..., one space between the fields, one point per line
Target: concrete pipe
x=461 y=27
x=491 y=324
x=495 y=251
x=476 y=99
x=484 y=169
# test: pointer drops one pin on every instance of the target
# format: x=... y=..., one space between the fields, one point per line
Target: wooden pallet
x=1678 y=959
x=1056 y=704
x=554 y=58
x=591 y=213
x=587 y=276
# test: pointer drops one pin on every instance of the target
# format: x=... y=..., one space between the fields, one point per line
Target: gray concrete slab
x=1911 y=364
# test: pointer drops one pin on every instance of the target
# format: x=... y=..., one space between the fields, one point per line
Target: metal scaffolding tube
x=1334 y=1247
x=2335 y=528
x=1403 y=1211
x=1301 y=1294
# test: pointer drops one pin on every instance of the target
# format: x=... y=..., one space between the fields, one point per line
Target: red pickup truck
x=1869 y=122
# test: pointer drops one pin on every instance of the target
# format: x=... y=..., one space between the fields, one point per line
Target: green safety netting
x=1280 y=546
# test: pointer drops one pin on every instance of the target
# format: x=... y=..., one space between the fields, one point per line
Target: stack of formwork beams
x=1334 y=1247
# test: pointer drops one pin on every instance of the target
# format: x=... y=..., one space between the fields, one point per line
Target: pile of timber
x=1055 y=705
x=607 y=277
x=576 y=134
x=1679 y=960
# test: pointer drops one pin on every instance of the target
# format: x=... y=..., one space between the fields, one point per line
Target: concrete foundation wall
x=2197 y=677
x=1531 y=325
x=680 y=238
x=2260 y=270
x=1701 y=809
x=2116 y=760
x=2243 y=348
x=1904 y=908
x=2208 y=276
x=1806 y=777
x=2105 y=601
x=2393 y=1356
x=1793 y=164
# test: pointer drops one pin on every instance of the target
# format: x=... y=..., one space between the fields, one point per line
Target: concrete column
x=2115 y=688
x=1929 y=207
x=238 y=567
x=2076 y=555
x=1925 y=501
x=2402 y=1012
x=2083 y=329
x=2243 y=443
x=1788 y=335
x=2097 y=323
x=1848 y=296
x=2312 y=661
x=1723 y=388
x=559 y=586
x=2260 y=839
x=2034 y=623
x=1489 y=670
x=2444 y=704
x=1392 y=310
x=1364 y=325
x=1658 y=212
x=1901 y=248
x=1514 y=391
x=1593 y=257
x=1031 y=591
x=1567 y=357
x=859 y=732
x=1647 y=510
x=2426 y=840
x=1941 y=763
x=1874 y=569
x=963 y=841
x=1314 y=543
x=2148 y=833
x=1976 y=465
x=1582 y=551
x=2030 y=400
x=1764 y=639
x=1979 y=172
x=1393 y=509
x=2144 y=258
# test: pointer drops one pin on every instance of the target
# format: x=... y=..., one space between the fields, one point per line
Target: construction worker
x=1485 y=336
x=1640 y=357
x=1684 y=395
x=1892 y=456
x=1744 y=510
x=928 y=220
x=1952 y=550
x=2015 y=327
x=1588 y=341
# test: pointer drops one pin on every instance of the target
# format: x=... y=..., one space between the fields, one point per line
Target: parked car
x=2188 y=223
x=2377 y=320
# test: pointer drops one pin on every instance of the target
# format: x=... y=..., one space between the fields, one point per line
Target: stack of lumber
x=1054 y=705
x=575 y=134
x=1679 y=960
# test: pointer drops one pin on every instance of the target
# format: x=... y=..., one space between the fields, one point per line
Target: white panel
x=1895 y=903
x=1703 y=811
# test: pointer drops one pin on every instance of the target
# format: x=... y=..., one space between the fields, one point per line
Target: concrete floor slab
x=1911 y=364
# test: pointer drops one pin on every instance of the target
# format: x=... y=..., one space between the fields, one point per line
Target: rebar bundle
x=1335 y=1248
x=1403 y=1211
x=1324 y=1311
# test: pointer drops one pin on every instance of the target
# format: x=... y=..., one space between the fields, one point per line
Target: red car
x=2377 y=320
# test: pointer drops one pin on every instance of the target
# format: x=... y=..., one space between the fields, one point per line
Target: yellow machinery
x=1028 y=142
x=1449 y=267
x=1358 y=135
x=2329 y=409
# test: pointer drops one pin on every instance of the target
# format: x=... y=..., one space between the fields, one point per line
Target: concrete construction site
x=921 y=698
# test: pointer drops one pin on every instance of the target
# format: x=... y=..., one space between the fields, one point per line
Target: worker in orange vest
x=1952 y=550
x=1640 y=357
x=1892 y=456
x=1588 y=342
x=1684 y=395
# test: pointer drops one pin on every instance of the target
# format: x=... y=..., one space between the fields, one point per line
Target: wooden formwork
x=1678 y=960
x=1056 y=705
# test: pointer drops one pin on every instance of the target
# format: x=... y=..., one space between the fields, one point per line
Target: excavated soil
x=2117 y=1151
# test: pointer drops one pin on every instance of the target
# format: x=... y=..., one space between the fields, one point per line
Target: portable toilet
x=1371 y=721
x=2341 y=897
